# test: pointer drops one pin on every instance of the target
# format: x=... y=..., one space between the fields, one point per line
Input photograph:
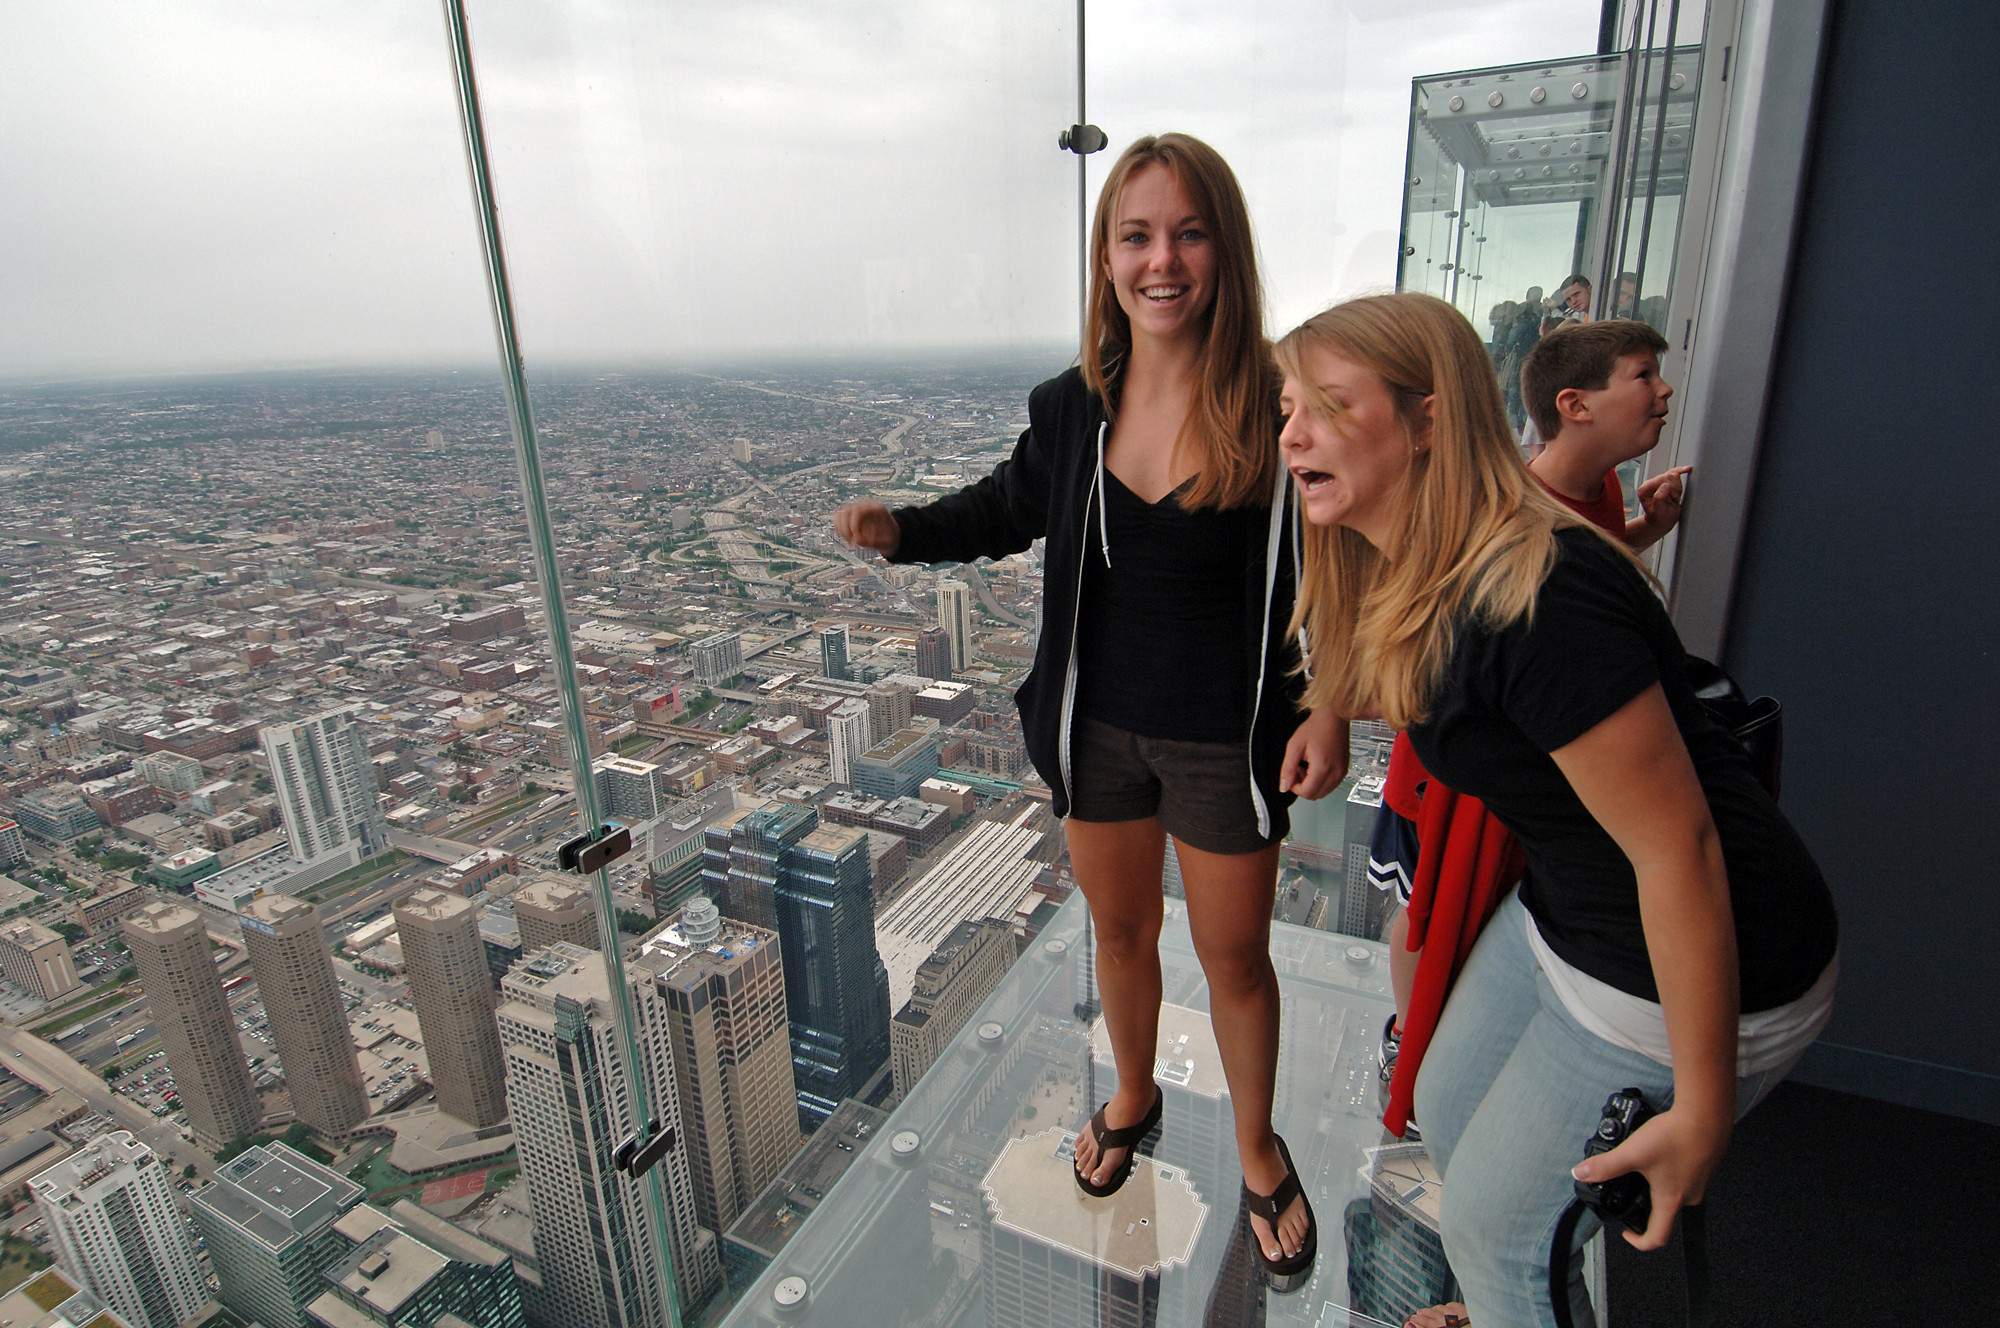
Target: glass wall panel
x=276 y=688
x=764 y=261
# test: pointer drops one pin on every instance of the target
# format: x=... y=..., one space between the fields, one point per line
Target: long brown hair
x=1231 y=419
x=1475 y=533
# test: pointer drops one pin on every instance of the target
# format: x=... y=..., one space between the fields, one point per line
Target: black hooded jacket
x=1051 y=488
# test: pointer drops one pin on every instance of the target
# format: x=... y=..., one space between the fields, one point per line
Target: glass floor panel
x=960 y=1210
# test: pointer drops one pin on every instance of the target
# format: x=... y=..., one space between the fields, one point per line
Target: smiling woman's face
x=1349 y=467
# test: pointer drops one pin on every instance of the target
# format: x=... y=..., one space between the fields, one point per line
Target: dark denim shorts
x=1200 y=791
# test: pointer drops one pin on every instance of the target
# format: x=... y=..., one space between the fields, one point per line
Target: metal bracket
x=639 y=1153
x=593 y=850
x=1083 y=139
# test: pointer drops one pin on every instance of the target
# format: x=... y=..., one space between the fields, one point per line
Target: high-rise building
x=833 y=651
x=1123 y=1263
x=110 y=1211
x=629 y=791
x=888 y=707
x=717 y=658
x=741 y=859
x=962 y=972
x=1360 y=901
x=836 y=988
x=934 y=653
x=550 y=911
x=897 y=765
x=566 y=1087
x=1193 y=1090
x=13 y=847
x=1395 y=1253
x=36 y=960
x=326 y=793
x=184 y=996
x=449 y=985
x=954 y=615
x=287 y=948
x=717 y=987
x=409 y=1268
x=778 y=868
x=268 y=1220
x=849 y=734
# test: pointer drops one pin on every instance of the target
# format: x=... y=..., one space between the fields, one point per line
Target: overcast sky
x=215 y=185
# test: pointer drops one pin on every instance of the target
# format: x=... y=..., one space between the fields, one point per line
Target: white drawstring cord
x=1298 y=588
x=1103 y=522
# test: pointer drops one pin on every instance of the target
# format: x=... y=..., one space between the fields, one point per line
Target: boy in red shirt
x=1598 y=400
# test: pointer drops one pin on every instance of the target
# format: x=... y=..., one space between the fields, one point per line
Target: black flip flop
x=1271 y=1207
x=1127 y=1137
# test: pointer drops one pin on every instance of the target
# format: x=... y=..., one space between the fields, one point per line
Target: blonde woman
x=1163 y=700
x=1672 y=933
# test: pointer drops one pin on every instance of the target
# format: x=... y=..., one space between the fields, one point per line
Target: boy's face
x=1632 y=406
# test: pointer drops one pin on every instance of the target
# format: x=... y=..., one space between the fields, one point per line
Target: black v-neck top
x=1159 y=649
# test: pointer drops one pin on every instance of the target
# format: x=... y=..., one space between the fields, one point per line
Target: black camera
x=1623 y=1200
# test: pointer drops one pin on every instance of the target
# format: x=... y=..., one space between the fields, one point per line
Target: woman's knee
x=1236 y=966
x=1125 y=933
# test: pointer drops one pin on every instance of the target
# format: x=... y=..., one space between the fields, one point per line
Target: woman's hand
x=868 y=525
x=1316 y=757
x=1676 y=1151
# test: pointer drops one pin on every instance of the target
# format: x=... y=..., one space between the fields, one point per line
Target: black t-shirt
x=1598 y=638
x=1159 y=642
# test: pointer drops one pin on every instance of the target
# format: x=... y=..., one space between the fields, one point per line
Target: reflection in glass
x=941 y=1217
x=1526 y=177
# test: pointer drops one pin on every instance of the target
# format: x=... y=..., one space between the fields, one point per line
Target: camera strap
x=1694 y=1266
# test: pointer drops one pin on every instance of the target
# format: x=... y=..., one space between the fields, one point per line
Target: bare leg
x=1229 y=899
x=1118 y=869
x=1402 y=962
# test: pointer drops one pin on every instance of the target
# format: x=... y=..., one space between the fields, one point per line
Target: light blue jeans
x=1510 y=1088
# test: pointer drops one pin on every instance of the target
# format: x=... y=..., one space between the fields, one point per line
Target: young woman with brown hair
x=1163 y=700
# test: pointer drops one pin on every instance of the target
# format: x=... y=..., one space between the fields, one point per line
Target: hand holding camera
x=1640 y=1168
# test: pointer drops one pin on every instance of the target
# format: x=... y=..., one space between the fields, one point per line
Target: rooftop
x=1149 y=1226
x=277 y=1195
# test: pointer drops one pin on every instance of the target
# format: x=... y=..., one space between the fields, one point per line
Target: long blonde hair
x=1474 y=537
x=1231 y=419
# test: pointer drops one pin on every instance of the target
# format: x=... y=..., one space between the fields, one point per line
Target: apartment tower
x=288 y=950
x=170 y=949
x=849 y=733
x=452 y=989
x=110 y=1210
x=326 y=792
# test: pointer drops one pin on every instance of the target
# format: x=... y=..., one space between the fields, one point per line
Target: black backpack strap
x=1694 y=1253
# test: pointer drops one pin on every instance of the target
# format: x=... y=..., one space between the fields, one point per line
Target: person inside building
x=1163 y=700
x=1596 y=394
x=1671 y=933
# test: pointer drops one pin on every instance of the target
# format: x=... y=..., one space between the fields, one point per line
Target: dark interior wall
x=1869 y=591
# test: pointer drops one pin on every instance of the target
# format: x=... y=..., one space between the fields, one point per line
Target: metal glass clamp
x=595 y=849
x=640 y=1152
x=1083 y=139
